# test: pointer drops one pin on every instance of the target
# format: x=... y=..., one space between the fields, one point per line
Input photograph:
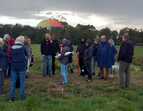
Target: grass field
x=45 y=94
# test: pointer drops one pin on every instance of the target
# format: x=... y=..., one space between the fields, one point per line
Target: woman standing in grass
x=3 y=65
x=64 y=60
x=112 y=55
x=30 y=54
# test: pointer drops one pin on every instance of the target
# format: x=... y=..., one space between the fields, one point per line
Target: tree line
x=70 y=32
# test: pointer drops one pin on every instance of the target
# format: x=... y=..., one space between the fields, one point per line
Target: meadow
x=46 y=94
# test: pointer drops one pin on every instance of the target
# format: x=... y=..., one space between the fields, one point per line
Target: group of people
x=103 y=53
x=52 y=49
x=90 y=53
x=16 y=57
x=15 y=60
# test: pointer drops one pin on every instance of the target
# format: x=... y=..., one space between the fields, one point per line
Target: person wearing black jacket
x=88 y=53
x=56 y=49
x=80 y=52
x=47 y=51
x=125 y=59
x=94 y=56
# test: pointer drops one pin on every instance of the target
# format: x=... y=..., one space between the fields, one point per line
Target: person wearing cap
x=18 y=67
x=103 y=52
x=125 y=58
x=3 y=65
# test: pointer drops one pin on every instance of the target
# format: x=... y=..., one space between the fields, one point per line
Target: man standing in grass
x=47 y=50
x=125 y=59
x=103 y=55
x=18 y=68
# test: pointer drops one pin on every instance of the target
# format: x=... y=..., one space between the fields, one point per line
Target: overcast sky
x=100 y=13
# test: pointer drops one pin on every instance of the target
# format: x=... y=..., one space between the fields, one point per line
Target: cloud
x=74 y=18
x=14 y=20
x=100 y=13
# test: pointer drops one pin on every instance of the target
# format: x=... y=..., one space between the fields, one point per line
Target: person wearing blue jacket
x=103 y=55
x=3 y=65
x=18 y=67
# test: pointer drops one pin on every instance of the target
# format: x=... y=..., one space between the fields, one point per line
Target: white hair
x=6 y=36
x=103 y=36
x=20 y=39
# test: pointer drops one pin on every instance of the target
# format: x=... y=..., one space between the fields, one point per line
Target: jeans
x=124 y=74
x=14 y=76
x=1 y=81
x=64 y=73
x=47 y=65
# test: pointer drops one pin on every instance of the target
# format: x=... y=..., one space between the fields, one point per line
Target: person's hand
x=43 y=55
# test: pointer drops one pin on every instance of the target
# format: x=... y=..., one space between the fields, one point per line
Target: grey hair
x=20 y=39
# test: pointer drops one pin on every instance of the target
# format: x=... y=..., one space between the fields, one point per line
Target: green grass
x=139 y=51
x=45 y=94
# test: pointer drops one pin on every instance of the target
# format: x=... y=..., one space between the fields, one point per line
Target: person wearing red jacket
x=9 y=42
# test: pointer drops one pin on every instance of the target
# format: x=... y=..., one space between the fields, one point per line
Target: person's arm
x=25 y=51
x=119 y=54
x=115 y=50
x=131 y=50
x=77 y=49
x=91 y=52
x=58 y=46
x=98 y=53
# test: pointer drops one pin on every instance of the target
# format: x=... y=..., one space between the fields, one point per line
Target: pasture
x=45 y=94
